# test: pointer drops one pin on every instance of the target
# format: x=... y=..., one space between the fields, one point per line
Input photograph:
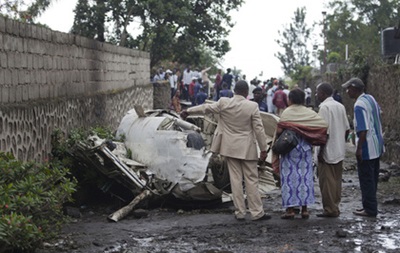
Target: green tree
x=24 y=10
x=83 y=20
x=175 y=30
x=302 y=75
x=294 y=41
x=358 y=24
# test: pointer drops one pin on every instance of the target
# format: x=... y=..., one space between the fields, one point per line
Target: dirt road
x=216 y=230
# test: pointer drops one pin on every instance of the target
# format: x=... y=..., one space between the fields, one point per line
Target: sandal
x=305 y=215
x=287 y=216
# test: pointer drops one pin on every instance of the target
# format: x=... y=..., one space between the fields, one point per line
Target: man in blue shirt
x=258 y=98
x=227 y=78
x=369 y=143
x=201 y=97
x=225 y=92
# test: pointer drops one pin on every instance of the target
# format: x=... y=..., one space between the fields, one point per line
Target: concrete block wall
x=38 y=63
x=50 y=80
x=384 y=84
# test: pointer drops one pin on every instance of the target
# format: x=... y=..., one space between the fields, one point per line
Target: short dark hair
x=257 y=89
x=241 y=87
x=325 y=88
x=297 y=96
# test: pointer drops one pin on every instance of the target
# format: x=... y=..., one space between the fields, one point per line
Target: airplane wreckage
x=161 y=154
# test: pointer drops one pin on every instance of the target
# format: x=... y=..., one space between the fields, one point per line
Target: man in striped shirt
x=369 y=144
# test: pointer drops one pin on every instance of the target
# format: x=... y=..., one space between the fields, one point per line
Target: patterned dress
x=296 y=170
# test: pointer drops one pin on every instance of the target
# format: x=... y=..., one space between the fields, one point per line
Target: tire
x=220 y=173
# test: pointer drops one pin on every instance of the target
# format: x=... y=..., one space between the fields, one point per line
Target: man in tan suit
x=239 y=130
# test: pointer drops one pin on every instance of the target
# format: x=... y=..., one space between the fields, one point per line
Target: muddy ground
x=216 y=230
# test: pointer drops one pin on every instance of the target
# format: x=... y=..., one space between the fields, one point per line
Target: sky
x=252 y=39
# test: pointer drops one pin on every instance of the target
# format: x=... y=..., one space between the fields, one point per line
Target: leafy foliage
x=358 y=24
x=334 y=57
x=62 y=144
x=294 y=40
x=23 y=10
x=302 y=75
x=31 y=199
x=175 y=30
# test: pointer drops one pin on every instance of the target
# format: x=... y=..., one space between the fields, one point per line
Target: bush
x=31 y=202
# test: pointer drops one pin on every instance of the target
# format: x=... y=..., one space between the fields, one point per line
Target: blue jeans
x=368 y=174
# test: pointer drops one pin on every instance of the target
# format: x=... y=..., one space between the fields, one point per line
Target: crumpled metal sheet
x=165 y=153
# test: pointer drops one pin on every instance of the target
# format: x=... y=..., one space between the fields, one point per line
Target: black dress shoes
x=264 y=217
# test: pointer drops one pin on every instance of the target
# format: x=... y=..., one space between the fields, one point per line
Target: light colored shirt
x=367 y=118
x=307 y=91
x=173 y=80
x=334 y=113
x=270 y=96
x=187 y=77
x=204 y=75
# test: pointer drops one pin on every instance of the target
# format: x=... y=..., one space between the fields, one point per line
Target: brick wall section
x=52 y=80
x=38 y=63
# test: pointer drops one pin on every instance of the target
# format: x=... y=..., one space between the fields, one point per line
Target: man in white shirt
x=308 y=91
x=331 y=156
x=270 y=96
x=206 y=80
x=173 y=80
x=159 y=76
x=187 y=76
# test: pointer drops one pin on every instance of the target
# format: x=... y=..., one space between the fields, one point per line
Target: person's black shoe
x=239 y=218
x=264 y=217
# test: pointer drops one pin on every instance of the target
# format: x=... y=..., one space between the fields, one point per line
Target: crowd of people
x=195 y=86
x=323 y=133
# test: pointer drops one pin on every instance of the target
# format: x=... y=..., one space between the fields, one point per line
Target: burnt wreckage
x=162 y=154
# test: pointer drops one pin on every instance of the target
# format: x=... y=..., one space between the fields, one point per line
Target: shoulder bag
x=287 y=141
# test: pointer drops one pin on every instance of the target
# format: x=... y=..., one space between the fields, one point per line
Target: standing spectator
x=191 y=89
x=196 y=89
x=179 y=84
x=176 y=103
x=201 y=97
x=205 y=80
x=227 y=78
x=159 y=76
x=296 y=167
x=258 y=98
x=270 y=97
x=369 y=144
x=187 y=79
x=173 y=81
x=280 y=101
x=196 y=73
x=217 y=85
x=331 y=155
x=238 y=131
x=253 y=85
x=225 y=92
x=307 y=91
x=286 y=89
